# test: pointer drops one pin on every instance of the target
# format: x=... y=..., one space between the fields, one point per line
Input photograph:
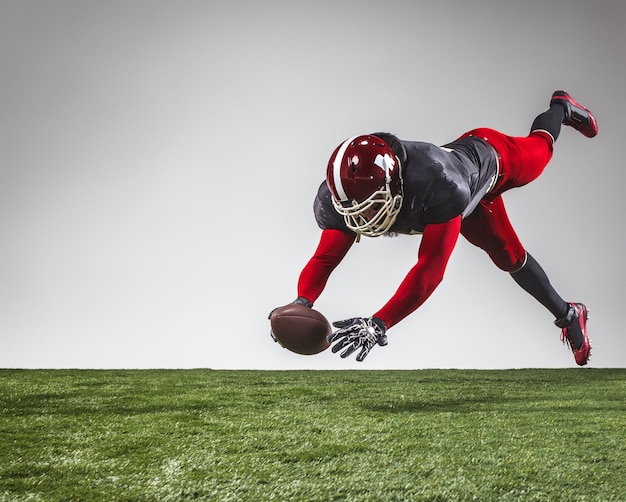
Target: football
x=300 y=329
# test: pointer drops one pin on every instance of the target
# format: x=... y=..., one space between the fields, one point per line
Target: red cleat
x=574 y=329
x=576 y=115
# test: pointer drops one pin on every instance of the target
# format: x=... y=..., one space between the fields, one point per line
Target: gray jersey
x=439 y=183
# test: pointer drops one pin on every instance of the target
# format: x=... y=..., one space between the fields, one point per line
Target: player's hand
x=358 y=333
x=301 y=300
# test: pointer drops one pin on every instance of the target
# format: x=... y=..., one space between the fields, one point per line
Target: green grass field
x=430 y=435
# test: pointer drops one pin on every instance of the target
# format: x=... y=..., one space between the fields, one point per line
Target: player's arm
x=363 y=334
x=438 y=241
x=333 y=246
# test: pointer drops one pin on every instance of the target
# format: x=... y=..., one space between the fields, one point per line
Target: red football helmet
x=364 y=178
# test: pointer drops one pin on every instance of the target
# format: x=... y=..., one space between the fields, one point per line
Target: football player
x=378 y=184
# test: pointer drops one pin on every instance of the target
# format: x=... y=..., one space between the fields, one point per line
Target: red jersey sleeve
x=333 y=246
x=438 y=241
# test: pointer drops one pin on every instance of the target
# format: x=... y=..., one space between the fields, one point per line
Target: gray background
x=159 y=161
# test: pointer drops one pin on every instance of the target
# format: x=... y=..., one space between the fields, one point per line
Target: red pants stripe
x=522 y=160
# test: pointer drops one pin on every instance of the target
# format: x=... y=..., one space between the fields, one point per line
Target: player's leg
x=570 y=317
x=489 y=228
x=549 y=121
x=523 y=158
x=564 y=110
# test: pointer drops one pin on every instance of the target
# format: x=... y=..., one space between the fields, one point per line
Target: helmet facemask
x=372 y=217
x=375 y=215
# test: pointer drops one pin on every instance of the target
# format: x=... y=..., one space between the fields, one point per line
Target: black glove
x=301 y=300
x=358 y=332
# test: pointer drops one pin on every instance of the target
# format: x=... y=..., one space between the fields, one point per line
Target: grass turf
x=429 y=435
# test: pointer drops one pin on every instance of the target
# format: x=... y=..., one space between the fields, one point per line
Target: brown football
x=300 y=329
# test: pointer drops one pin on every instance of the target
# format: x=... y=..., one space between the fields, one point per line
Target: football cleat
x=576 y=115
x=574 y=332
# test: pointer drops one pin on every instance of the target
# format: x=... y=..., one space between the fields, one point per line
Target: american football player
x=377 y=184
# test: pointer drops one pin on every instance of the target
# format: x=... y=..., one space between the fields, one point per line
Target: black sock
x=550 y=120
x=532 y=278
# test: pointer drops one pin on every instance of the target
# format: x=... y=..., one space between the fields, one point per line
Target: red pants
x=522 y=159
